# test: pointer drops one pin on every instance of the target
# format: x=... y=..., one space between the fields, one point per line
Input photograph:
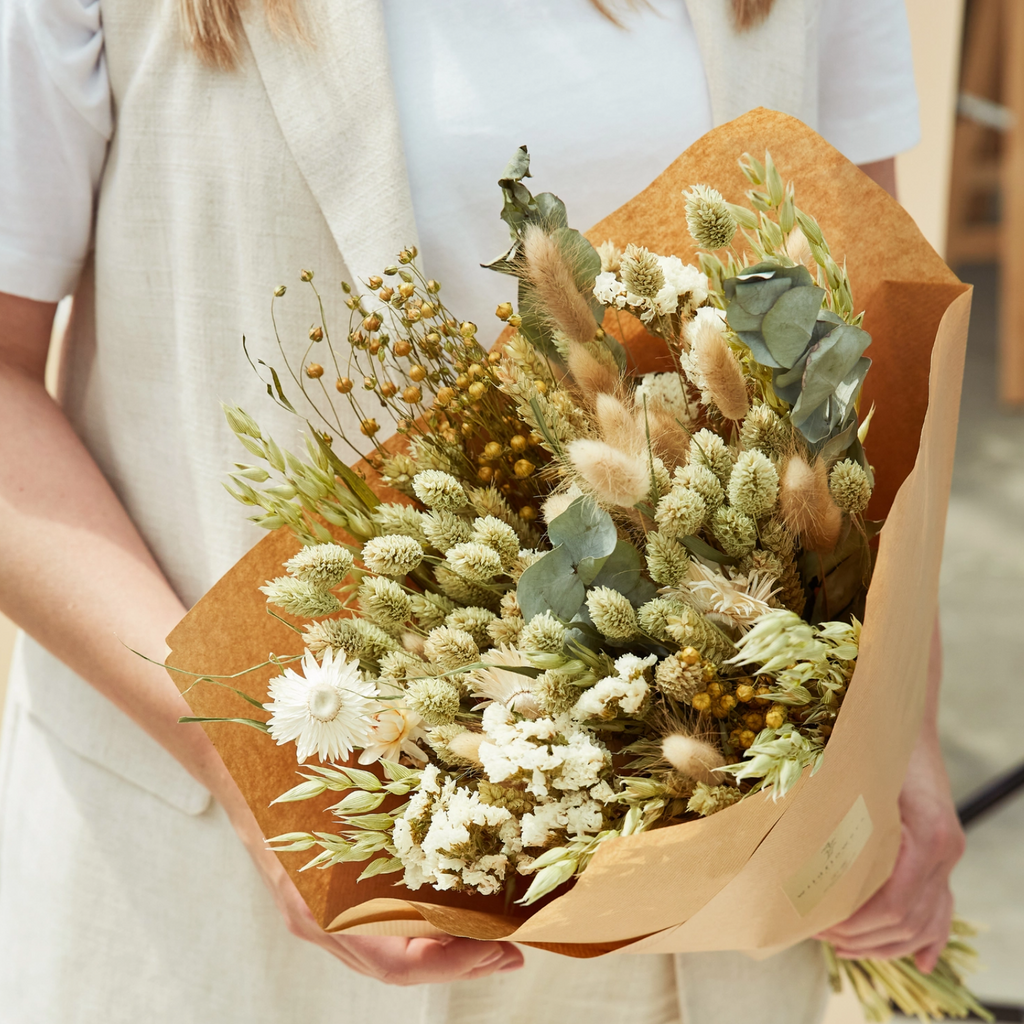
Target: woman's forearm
x=76 y=575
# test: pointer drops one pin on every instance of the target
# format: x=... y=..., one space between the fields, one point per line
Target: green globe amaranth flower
x=555 y=692
x=464 y=591
x=392 y=518
x=754 y=486
x=297 y=597
x=383 y=601
x=430 y=609
x=689 y=628
x=542 y=633
x=764 y=563
x=699 y=478
x=439 y=491
x=762 y=430
x=499 y=536
x=474 y=621
x=667 y=560
x=681 y=512
x=736 y=532
x=677 y=678
x=475 y=562
x=711 y=222
x=653 y=616
x=321 y=565
x=708 y=799
x=776 y=538
x=850 y=487
x=505 y=631
x=450 y=648
x=392 y=556
x=640 y=272
x=440 y=736
x=709 y=450
x=399 y=665
x=436 y=701
x=445 y=529
x=356 y=637
x=612 y=613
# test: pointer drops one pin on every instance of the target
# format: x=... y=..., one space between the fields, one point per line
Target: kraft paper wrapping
x=759 y=875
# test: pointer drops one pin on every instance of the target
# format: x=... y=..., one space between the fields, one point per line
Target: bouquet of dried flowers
x=604 y=603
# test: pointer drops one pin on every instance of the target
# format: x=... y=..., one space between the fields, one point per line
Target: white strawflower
x=327 y=710
x=323 y=566
x=394 y=730
x=497 y=684
x=392 y=556
x=439 y=490
x=739 y=601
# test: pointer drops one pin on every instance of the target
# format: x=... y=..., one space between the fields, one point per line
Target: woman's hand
x=392 y=959
x=911 y=914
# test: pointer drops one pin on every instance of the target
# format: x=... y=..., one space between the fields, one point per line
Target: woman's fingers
x=417 y=961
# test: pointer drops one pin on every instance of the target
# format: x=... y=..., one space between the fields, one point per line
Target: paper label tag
x=808 y=886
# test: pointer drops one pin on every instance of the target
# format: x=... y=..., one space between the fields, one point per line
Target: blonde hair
x=212 y=27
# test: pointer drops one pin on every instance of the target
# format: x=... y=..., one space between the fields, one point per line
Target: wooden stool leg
x=1011 y=341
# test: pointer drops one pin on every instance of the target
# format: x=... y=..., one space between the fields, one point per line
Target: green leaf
x=588 y=568
x=757 y=297
x=702 y=549
x=584 y=530
x=622 y=572
x=827 y=366
x=787 y=326
x=381 y=866
x=551 y=584
x=262 y=726
x=352 y=480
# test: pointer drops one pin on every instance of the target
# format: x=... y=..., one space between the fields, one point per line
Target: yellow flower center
x=324 y=702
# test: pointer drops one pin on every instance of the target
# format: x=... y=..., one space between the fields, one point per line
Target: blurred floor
x=982 y=603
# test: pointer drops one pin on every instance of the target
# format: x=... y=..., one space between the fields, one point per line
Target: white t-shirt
x=603 y=110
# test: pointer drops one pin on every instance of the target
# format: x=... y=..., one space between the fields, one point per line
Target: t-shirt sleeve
x=55 y=123
x=866 y=93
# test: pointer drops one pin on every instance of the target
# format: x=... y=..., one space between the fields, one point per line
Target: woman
x=224 y=159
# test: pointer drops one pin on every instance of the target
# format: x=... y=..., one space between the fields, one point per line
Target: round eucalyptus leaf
x=551 y=585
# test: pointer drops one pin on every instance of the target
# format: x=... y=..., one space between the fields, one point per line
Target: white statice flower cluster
x=564 y=766
x=625 y=693
x=451 y=839
x=666 y=392
x=684 y=290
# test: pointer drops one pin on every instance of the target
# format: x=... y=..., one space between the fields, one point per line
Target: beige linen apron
x=124 y=894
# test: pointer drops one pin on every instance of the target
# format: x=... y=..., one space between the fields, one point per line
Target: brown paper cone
x=759 y=875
